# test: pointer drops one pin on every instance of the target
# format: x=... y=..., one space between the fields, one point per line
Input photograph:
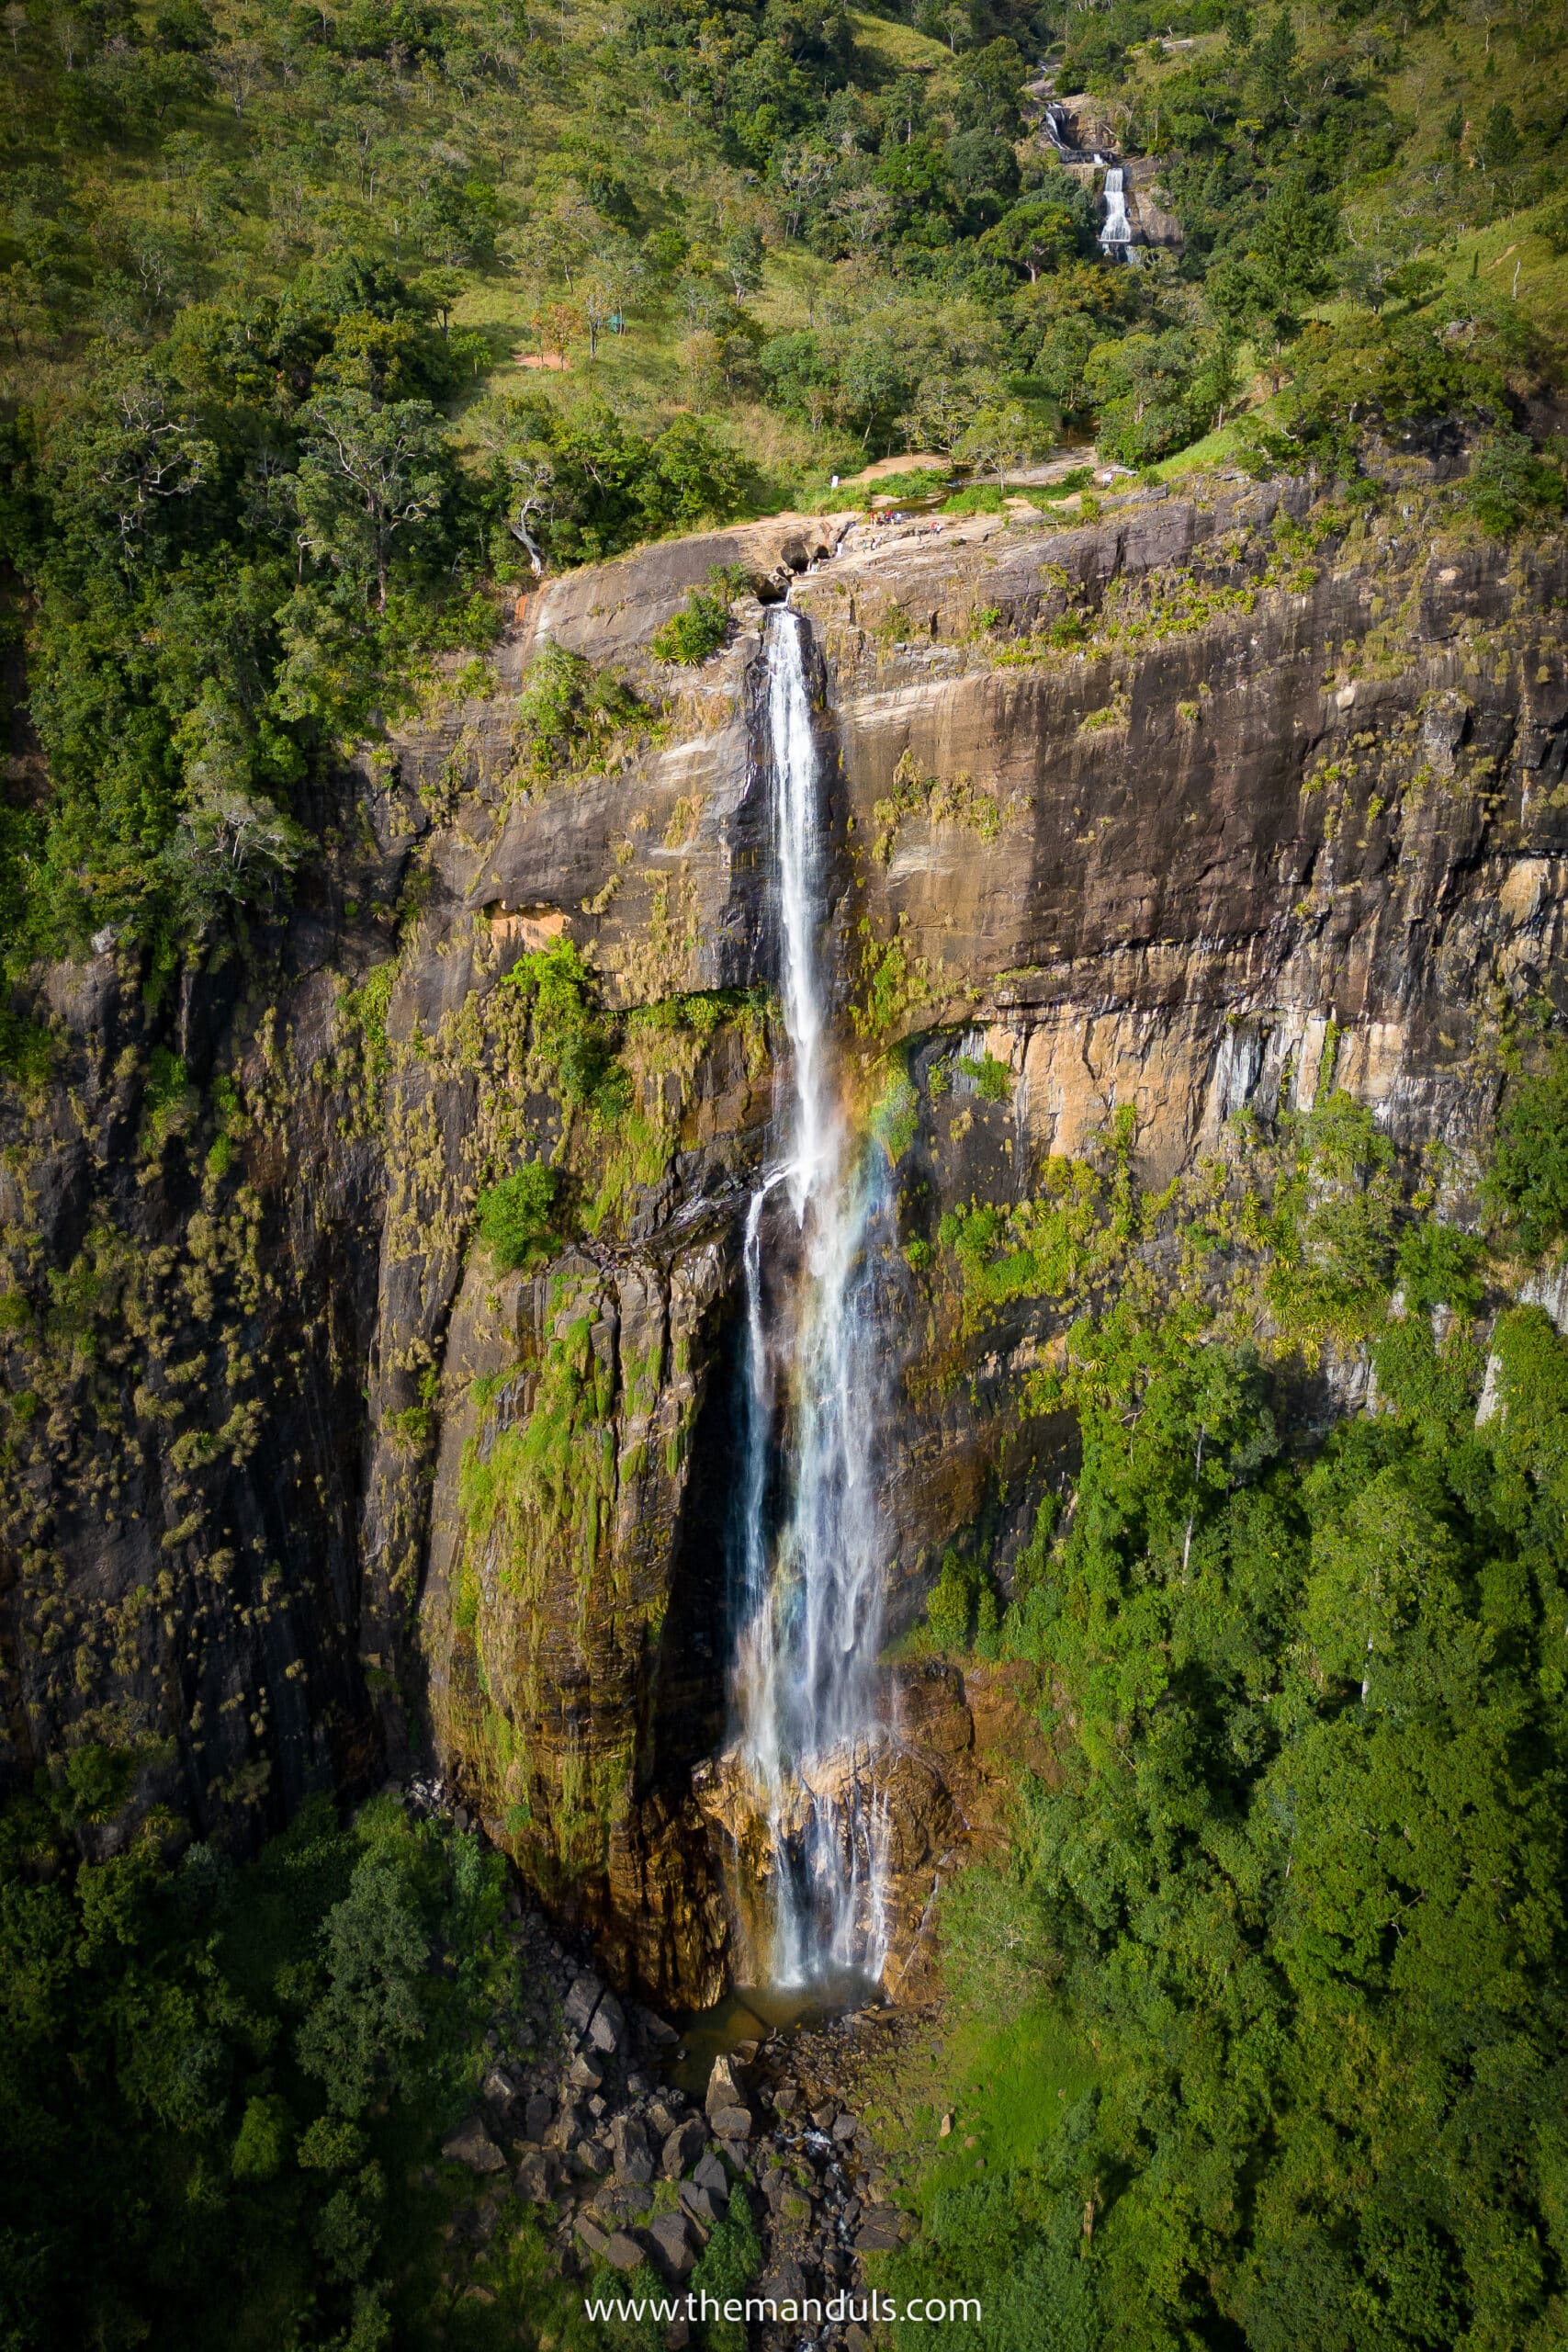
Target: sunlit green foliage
x=1293 y=1889
x=514 y=1216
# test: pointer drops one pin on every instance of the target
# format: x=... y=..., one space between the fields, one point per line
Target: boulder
x=582 y=2002
x=682 y=2147
x=699 y=2204
x=536 y=2177
x=536 y=2117
x=723 y=2090
x=623 y=2253
x=843 y=2128
x=666 y=2111
x=592 y=2158
x=731 y=2122
x=569 y=2124
x=472 y=2144
x=596 y=2239
x=607 y=2027
x=633 y=2161
x=499 y=2089
x=883 y=2229
x=710 y=2174
x=673 y=2237
x=585 y=2073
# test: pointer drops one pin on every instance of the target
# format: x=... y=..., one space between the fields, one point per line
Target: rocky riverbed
x=579 y=2119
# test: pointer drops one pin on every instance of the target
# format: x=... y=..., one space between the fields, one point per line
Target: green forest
x=287 y=294
x=1280 y=1945
x=325 y=330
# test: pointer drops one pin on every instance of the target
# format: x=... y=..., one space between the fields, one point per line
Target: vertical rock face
x=1178 y=809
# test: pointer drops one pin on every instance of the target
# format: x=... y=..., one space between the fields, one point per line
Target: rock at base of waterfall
x=699 y=2203
x=537 y=2116
x=710 y=2174
x=681 y=2148
x=585 y=2073
x=499 y=2089
x=672 y=2238
x=883 y=2228
x=592 y=2158
x=607 y=2027
x=623 y=2253
x=472 y=2144
x=843 y=2128
x=787 y=2282
x=731 y=2122
x=634 y=2160
x=536 y=2177
x=666 y=2112
x=582 y=2002
x=723 y=2090
x=596 y=2239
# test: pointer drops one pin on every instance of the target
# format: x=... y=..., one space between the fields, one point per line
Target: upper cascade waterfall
x=1116 y=234
x=813 y=1541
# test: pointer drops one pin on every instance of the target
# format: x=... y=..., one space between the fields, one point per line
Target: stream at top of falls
x=811 y=1536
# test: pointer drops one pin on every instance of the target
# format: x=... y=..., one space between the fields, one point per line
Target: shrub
x=949 y=1605
x=568 y=1029
x=1526 y=1186
x=729 y=2262
x=572 y=719
x=1511 y=486
x=514 y=1216
x=698 y=630
x=1437 y=1265
x=993 y=1079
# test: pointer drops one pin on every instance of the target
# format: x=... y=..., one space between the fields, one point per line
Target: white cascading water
x=1116 y=234
x=813 y=1545
x=1054 y=124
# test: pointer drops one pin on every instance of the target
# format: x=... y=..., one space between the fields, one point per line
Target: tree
x=742 y=255
x=1039 y=233
x=1004 y=433
x=365 y=2030
x=942 y=412
x=131 y=453
x=370 y=476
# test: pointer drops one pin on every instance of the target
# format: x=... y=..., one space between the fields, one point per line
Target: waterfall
x=1053 y=122
x=812 y=1542
x=1116 y=234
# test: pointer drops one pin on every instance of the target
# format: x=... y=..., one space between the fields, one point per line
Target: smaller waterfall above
x=1116 y=233
x=812 y=1544
x=1054 y=127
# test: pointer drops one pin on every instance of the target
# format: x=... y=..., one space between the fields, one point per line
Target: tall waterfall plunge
x=811 y=1537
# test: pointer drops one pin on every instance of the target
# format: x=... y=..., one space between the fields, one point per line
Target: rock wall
x=1149 y=808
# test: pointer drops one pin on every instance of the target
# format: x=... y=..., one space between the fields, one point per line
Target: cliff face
x=1153 y=810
